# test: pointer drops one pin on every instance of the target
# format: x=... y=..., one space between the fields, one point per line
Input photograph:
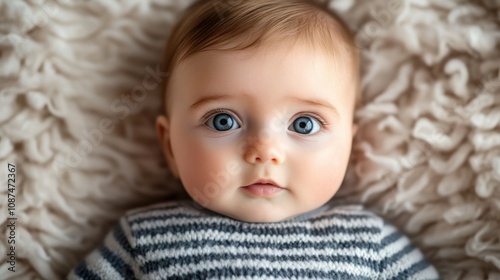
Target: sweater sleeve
x=112 y=259
x=400 y=259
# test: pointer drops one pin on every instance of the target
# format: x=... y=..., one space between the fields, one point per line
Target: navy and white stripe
x=176 y=240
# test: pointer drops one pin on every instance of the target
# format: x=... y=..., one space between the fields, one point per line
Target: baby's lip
x=263 y=188
x=265 y=182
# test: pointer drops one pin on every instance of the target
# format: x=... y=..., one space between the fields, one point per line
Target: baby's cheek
x=208 y=175
x=329 y=168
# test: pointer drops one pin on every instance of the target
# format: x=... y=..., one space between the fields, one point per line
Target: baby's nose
x=264 y=150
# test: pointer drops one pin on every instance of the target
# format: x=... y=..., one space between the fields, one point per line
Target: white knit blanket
x=77 y=121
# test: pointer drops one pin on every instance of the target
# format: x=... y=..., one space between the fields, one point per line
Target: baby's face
x=274 y=113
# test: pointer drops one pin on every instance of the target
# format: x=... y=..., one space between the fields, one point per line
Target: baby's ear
x=163 y=134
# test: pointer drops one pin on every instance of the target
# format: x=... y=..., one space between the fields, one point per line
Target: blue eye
x=305 y=125
x=222 y=122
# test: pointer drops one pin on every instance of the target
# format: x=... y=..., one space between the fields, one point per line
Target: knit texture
x=180 y=240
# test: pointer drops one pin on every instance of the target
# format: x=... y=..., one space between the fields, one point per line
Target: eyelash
x=317 y=117
x=210 y=113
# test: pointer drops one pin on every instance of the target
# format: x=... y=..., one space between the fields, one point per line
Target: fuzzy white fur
x=79 y=94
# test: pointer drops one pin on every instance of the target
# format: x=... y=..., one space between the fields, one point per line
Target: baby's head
x=259 y=90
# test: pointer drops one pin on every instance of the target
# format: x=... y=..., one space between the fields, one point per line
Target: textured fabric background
x=79 y=92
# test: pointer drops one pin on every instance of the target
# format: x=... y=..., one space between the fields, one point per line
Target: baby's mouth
x=263 y=188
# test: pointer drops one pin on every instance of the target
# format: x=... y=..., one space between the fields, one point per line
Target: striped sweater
x=181 y=240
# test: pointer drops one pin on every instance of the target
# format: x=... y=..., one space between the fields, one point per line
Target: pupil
x=223 y=122
x=302 y=125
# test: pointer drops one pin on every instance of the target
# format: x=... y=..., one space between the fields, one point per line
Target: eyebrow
x=313 y=102
x=317 y=102
x=209 y=99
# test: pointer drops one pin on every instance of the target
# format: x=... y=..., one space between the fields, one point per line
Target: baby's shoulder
x=162 y=211
x=161 y=219
x=358 y=218
x=352 y=213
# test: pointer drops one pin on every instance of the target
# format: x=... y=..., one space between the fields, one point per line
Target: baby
x=258 y=127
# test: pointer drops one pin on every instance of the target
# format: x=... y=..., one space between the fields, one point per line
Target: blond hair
x=214 y=24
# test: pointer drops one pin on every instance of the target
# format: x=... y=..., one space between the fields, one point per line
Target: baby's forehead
x=285 y=76
x=278 y=59
x=337 y=55
x=252 y=24
x=287 y=57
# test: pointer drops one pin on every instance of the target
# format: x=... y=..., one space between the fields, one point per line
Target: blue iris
x=303 y=125
x=223 y=122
